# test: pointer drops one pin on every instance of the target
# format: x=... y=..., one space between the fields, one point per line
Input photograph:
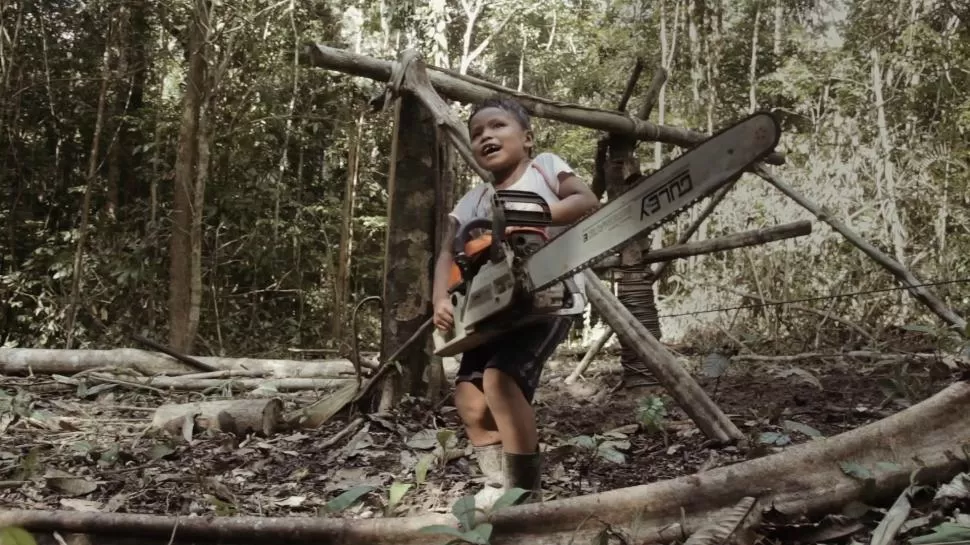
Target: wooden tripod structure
x=411 y=76
x=467 y=89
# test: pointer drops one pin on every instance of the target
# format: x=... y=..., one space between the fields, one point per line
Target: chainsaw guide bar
x=654 y=200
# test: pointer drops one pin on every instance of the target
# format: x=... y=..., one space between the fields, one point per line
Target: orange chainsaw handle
x=474 y=247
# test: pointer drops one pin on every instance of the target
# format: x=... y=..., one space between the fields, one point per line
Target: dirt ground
x=92 y=451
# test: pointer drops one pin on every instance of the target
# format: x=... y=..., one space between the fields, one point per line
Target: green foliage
x=348 y=498
x=651 y=413
x=13 y=535
x=281 y=133
x=464 y=510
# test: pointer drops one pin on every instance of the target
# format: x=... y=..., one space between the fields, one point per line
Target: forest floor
x=92 y=451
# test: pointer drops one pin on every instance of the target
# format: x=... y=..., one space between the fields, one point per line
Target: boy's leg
x=480 y=427
x=510 y=379
x=511 y=411
x=472 y=407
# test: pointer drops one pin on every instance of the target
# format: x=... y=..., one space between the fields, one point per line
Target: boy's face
x=498 y=140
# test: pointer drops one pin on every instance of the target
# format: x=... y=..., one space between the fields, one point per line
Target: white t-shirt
x=477 y=203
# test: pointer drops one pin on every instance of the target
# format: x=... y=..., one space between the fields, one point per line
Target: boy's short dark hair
x=510 y=105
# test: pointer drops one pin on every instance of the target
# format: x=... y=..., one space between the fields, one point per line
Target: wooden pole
x=754 y=237
x=895 y=268
x=674 y=378
x=472 y=90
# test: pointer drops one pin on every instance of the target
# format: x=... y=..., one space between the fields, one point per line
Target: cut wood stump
x=237 y=416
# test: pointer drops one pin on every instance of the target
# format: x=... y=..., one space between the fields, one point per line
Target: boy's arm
x=442 y=269
x=576 y=200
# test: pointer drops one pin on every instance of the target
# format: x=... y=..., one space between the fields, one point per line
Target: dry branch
x=754 y=237
x=590 y=354
x=18 y=361
x=653 y=92
x=188 y=360
x=340 y=436
x=689 y=232
x=675 y=379
x=631 y=84
x=921 y=294
x=801 y=308
x=236 y=416
x=472 y=90
x=803 y=480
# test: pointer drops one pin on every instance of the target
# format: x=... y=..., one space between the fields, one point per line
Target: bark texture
x=183 y=319
x=410 y=243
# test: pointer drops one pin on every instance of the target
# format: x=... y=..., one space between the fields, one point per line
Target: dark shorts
x=520 y=354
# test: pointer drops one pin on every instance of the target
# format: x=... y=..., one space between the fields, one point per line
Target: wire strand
x=811 y=299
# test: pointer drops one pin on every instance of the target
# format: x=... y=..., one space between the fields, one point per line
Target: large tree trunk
x=409 y=247
x=923 y=442
x=635 y=279
x=667 y=50
x=183 y=319
x=444 y=193
x=885 y=169
x=694 y=13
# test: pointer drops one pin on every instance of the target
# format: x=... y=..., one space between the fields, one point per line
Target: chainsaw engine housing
x=489 y=290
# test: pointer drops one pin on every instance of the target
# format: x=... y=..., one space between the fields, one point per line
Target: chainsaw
x=516 y=275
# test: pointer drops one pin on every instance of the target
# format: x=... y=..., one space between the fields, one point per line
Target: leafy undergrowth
x=93 y=451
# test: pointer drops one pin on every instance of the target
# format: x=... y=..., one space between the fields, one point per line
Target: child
x=496 y=381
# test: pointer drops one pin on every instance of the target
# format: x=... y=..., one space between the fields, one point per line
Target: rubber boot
x=525 y=471
x=490 y=462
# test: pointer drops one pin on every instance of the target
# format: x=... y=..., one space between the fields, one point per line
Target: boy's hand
x=444 y=317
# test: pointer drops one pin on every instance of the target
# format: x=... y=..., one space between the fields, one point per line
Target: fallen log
x=237 y=416
x=808 y=480
x=22 y=361
x=188 y=360
x=755 y=237
x=280 y=384
x=473 y=90
x=662 y=364
x=860 y=354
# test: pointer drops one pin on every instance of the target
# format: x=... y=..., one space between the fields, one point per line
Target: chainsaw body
x=488 y=288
